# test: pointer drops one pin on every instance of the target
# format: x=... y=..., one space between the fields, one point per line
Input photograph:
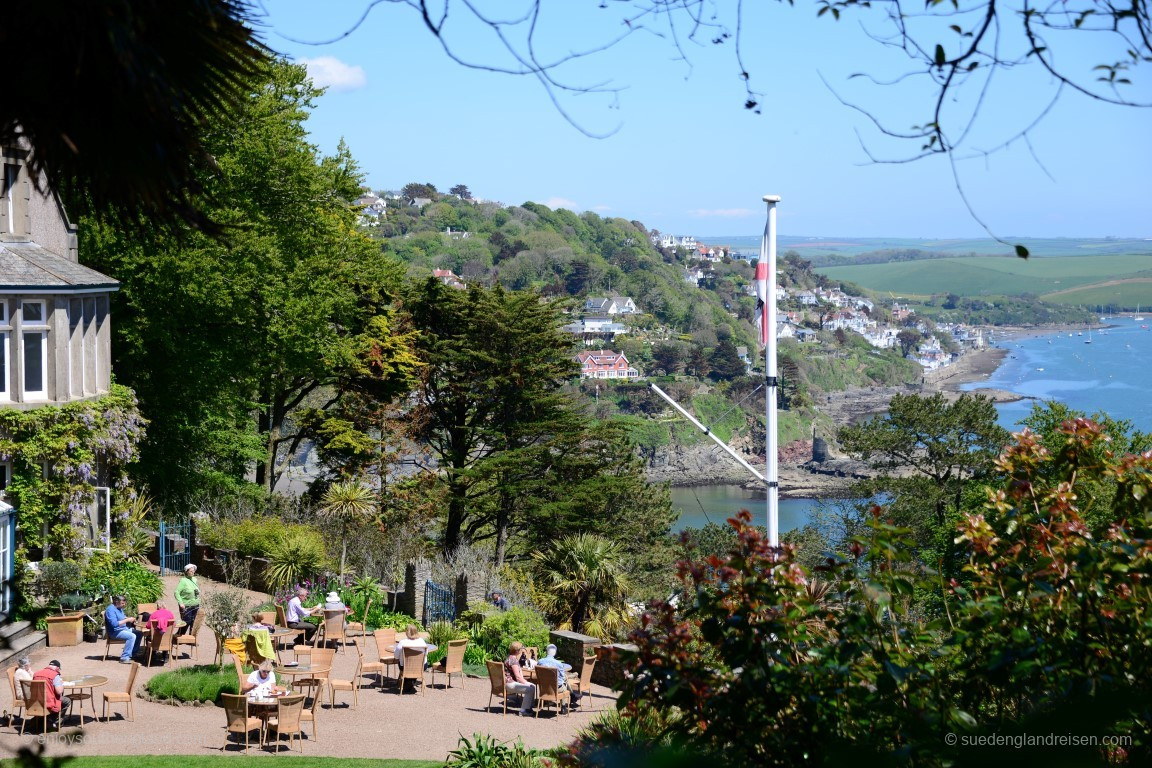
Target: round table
x=75 y=688
x=295 y=670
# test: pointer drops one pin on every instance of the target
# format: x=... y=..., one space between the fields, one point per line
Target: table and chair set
x=30 y=698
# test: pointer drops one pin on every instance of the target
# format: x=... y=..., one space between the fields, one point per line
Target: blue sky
x=685 y=157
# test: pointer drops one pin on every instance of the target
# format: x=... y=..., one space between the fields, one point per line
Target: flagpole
x=767 y=275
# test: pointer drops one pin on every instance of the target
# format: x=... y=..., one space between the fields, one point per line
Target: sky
x=672 y=146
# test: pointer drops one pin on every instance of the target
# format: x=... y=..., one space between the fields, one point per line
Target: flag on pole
x=762 y=324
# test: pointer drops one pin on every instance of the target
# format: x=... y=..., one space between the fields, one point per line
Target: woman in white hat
x=332 y=602
x=188 y=596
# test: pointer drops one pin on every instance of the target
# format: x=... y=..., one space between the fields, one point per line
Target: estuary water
x=1112 y=374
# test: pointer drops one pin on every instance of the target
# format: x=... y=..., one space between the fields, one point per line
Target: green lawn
x=227 y=761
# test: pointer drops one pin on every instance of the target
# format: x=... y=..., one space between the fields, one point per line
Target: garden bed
x=200 y=685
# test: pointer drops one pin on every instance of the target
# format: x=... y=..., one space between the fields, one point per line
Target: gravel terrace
x=386 y=725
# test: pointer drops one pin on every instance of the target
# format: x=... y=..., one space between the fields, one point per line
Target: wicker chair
x=17 y=696
x=320 y=658
x=253 y=653
x=332 y=629
x=453 y=663
x=282 y=623
x=161 y=642
x=36 y=703
x=309 y=713
x=583 y=683
x=363 y=669
x=413 y=667
x=386 y=648
x=239 y=721
x=548 y=689
x=359 y=626
x=289 y=711
x=240 y=676
x=122 y=697
x=143 y=608
x=110 y=641
x=191 y=638
x=496 y=678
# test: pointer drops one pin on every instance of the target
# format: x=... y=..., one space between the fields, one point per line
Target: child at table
x=262 y=682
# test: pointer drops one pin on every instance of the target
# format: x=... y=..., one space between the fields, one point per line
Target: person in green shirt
x=188 y=596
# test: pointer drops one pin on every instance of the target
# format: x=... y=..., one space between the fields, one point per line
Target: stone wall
x=573 y=647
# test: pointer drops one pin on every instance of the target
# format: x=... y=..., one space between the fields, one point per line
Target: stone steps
x=17 y=639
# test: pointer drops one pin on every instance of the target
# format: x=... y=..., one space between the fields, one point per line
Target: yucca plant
x=299 y=555
x=348 y=503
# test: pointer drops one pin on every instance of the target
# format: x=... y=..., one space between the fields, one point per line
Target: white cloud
x=560 y=202
x=331 y=73
x=722 y=213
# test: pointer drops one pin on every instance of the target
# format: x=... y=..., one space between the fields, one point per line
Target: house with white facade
x=595 y=330
x=449 y=278
x=674 y=241
x=610 y=305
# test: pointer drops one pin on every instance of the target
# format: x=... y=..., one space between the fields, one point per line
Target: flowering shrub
x=71 y=440
x=1046 y=630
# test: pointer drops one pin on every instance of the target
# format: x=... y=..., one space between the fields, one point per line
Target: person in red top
x=56 y=702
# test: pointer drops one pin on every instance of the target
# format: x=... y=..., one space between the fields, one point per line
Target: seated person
x=332 y=602
x=59 y=706
x=411 y=639
x=262 y=682
x=514 y=680
x=120 y=627
x=160 y=618
x=499 y=600
x=23 y=671
x=550 y=660
x=297 y=613
x=258 y=622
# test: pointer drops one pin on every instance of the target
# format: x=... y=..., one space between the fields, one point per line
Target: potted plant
x=59 y=584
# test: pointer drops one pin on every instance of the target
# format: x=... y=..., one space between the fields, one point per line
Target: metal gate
x=439 y=603
x=175 y=546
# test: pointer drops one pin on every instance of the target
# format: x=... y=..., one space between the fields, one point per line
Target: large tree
x=927 y=450
x=494 y=362
x=225 y=342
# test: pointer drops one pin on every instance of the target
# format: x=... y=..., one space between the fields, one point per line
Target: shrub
x=224 y=609
x=486 y=752
x=111 y=574
x=59 y=578
x=500 y=629
x=299 y=554
x=199 y=683
x=252 y=537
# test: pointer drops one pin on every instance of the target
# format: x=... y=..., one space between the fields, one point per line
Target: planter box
x=65 y=630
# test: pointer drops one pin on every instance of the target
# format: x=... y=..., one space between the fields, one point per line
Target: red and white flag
x=762 y=288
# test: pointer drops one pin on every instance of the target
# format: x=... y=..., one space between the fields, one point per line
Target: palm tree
x=347 y=502
x=584 y=581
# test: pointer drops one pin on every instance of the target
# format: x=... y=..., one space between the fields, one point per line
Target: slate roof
x=26 y=265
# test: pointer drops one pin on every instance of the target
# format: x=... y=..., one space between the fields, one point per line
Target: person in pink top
x=161 y=617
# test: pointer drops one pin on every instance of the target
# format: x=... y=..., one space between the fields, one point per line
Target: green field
x=1088 y=280
x=1040 y=247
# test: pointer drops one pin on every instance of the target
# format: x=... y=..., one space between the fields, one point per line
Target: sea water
x=1112 y=374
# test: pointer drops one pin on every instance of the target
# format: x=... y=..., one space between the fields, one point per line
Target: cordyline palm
x=581 y=575
x=347 y=502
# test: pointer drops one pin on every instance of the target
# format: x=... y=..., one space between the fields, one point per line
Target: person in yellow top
x=188 y=596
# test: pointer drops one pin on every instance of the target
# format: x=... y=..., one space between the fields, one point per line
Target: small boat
x=1040 y=369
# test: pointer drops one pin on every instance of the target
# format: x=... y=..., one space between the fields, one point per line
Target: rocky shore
x=800 y=477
